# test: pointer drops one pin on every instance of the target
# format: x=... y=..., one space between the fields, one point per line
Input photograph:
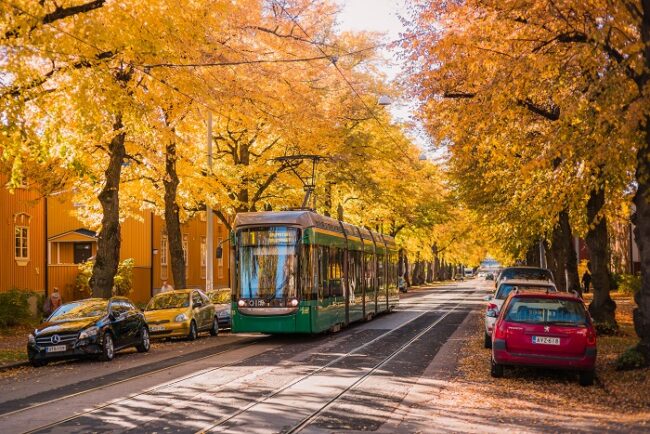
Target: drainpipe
x=151 y=255
x=47 y=266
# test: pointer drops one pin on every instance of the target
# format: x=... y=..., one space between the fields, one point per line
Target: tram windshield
x=267 y=262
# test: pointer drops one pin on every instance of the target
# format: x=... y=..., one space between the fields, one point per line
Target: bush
x=14 y=307
x=629 y=284
x=606 y=329
x=122 y=283
x=631 y=359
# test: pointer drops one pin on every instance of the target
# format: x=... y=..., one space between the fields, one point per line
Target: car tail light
x=591 y=337
x=499 y=331
x=492 y=310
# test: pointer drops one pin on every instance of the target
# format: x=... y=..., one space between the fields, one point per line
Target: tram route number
x=257 y=303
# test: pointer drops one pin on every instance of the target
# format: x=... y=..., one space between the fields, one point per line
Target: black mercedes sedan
x=91 y=327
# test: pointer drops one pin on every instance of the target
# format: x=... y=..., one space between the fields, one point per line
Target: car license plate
x=545 y=340
x=55 y=349
x=157 y=328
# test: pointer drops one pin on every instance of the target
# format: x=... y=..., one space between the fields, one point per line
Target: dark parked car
x=94 y=326
x=524 y=273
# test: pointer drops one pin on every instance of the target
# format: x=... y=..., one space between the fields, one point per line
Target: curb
x=13 y=365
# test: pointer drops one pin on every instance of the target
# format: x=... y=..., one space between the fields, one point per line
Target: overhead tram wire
x=356 y=93
x=144 y=69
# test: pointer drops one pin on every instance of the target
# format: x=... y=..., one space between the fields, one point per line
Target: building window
x=82 y=252
x=204 y=261
x=185 y=250
x=163 y=251
x=220 y=259
x=22 y=244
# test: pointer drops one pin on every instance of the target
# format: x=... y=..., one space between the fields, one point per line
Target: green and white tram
x=301 y=272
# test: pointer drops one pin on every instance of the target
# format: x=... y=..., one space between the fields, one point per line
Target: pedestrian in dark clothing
x=586 y=280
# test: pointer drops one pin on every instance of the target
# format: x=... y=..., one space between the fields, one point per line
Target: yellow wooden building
x=22 y=239
x=49 y=242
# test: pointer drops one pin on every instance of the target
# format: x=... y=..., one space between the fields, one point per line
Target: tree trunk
x=602 y=308
x=532 y=255
x=172 y=217
x=109 y=238
x=328 y=199
x=641 y=220
x=562 y=256
x=641 y=313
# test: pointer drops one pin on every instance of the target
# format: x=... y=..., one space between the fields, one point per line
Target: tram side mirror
x=219 y=252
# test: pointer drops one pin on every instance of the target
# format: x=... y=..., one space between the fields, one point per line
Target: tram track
x=229 y=348
x=305 y=377
x=268 y=396
x=314 y=415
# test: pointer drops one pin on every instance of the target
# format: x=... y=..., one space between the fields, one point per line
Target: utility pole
x=209 y=245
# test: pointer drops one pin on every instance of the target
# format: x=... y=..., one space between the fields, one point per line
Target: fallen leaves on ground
x=547 y=396
x=13 y=344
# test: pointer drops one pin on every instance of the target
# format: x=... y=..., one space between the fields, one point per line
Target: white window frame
x=163 y=251
x=186 y=252
x=23 y=244
x=204 y=261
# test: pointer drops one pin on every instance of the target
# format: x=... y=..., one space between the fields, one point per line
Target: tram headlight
x=294 y=302
x=241 y=303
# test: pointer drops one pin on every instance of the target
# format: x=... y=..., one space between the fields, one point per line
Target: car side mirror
x=199 y=304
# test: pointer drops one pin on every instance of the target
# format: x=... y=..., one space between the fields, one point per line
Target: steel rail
x=319 y=369
x=236 y=345
x=306 y=421
x=184 y=378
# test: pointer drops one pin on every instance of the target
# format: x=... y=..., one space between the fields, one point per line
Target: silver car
x=221 y=298
x=496 y=300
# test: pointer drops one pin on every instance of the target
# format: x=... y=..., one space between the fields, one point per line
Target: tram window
x=335 y=271
x=380 y=272
x=323 y=287
x=354 y=272
x=369 y=271
x=308 y=273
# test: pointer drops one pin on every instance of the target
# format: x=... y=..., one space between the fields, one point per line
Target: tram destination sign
x=269 y=236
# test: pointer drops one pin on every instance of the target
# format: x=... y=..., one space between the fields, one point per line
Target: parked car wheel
x=487 y=340
x=145 y=344
x=108 y=348
x=496 y=370
x=586 y=378
x=214 y=330
x=193 y=332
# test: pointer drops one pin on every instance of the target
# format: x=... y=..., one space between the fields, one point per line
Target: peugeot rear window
x=546 y=311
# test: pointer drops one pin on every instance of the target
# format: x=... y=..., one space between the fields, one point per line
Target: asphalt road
x=354 y=380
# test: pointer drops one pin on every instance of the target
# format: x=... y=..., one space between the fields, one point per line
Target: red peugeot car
x=550 y=330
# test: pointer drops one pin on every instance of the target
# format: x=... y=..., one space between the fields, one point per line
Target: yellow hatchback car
x=181 y=313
